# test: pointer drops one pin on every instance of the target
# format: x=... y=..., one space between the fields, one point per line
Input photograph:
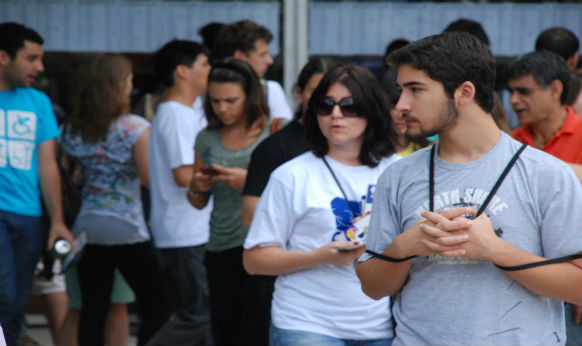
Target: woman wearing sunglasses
x=301 y=227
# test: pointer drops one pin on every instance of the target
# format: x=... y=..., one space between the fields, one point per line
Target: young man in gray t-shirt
x=453 y=291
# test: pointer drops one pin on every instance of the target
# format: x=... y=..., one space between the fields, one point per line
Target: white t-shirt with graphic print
x=300 y=210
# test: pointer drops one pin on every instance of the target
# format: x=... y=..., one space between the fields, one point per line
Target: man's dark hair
x=545 y=67
x=209 y=33
x=241 y=35
x=394 y=45
x=452 y=58
x=387 y=79
x=574 y=88
x=371 y=103
x=558 y=40
x=13 y=35
x=232 y=70
x=314 y=66
x=174 y=53
x=469 y=26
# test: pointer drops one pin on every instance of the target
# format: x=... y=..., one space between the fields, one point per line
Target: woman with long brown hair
x=111 y=147
x=238 y=120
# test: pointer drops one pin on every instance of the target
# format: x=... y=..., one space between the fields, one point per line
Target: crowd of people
x=399 y=208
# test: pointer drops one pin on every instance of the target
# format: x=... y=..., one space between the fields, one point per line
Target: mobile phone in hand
x=209 y=170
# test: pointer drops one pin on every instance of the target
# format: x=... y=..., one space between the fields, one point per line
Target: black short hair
x=314 y=66
x=469 y=26
x=232 y=70
x=209 y=33
x=241 y=35
x=545 y=67
x=13 y=35
x=452 y=58
x=558 y=40
x=387 y=79
x=574 y=88
x=174 y=53
x=371 y=103
x=394 y=45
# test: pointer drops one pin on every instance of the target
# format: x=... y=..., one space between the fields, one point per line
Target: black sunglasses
x=324 y=106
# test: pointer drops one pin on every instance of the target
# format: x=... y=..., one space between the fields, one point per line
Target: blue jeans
x=288 y=337
x=21 y=239
x=573 y=330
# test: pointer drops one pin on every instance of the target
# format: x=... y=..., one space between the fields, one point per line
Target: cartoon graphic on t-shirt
x=344 y=218
x=345 y=214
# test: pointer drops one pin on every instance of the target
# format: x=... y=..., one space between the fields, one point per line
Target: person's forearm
x=249 y=204
x=50 y=185
x=50 y=181
x=380 y=278
x=560 y=281
x=276 y=261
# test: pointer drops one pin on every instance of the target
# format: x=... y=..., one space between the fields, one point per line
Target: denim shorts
x=288 y=337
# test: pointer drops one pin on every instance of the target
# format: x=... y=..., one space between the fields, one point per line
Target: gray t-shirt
x=460 y=301
x=226 y=227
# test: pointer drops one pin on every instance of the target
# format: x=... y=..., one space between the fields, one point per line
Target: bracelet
x=197 y=194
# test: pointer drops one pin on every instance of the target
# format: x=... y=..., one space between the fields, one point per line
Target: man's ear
x=573 y=61
x=180 y=71
x=4 y=58
x=239 y=54
x=556 y=88
x=464 y=94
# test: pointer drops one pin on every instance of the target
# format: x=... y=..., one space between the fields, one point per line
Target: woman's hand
x=201 y=182
x=234 y=177
x=333 y=253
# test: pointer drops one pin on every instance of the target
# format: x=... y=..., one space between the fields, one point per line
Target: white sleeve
x=178 y=135
x=278 y=105
x=274 y=216
x=2 y=340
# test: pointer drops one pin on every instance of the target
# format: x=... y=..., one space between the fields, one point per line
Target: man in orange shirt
x=539 y=83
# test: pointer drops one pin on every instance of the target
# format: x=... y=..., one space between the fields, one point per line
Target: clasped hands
x=450 y=234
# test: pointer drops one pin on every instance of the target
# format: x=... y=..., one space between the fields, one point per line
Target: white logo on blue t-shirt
x=19 y=130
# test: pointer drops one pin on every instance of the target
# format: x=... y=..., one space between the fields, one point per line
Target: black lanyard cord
x=431 y=195
x=374 y=254
x=479 y=212
x=540 y=263
x=340 y=186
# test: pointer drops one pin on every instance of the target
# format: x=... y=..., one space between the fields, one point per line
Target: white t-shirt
x=174 y=221
x=300 y=210
x=278 y=105
x=2 y=340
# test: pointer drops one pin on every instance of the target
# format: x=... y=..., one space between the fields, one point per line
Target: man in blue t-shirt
x=28 y=169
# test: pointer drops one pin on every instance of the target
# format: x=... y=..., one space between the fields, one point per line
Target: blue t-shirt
x=26 y=120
